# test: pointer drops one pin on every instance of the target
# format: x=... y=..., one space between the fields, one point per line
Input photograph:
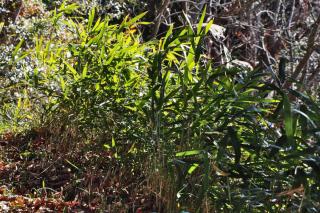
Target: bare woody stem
x=158 y=18
x=310 y=49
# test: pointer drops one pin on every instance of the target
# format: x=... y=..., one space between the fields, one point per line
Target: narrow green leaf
x=1 y=26
x=208 y=26
x=17 y=48
x=135 y=19
x=134 y=109
x=192 y=168
x=90 y=19
x=85 y=71
x=73 y=165
x=113 y=142
x=106 y=146
x=169 y=33
x=199 y=27
x=97 y=26
x=69 y=8
x=188 y=153
x=305 y=116
x=288 y=118
x=305 y=98
x=73 y=71
x=189 y=23
x=144 y=23
x=62 y=84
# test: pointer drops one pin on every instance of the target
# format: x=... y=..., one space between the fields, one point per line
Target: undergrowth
x=193 y=136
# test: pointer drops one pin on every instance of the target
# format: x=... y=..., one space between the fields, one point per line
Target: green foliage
x=214 y=131
x=98 y=72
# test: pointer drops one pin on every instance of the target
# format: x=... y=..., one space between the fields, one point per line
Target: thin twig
x=310 y=49
x=314 y=73
x=159 y=16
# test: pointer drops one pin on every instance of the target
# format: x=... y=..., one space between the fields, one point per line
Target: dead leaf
x=3 y=189
x=18 y=202
x=291 y=192
x=2 y=166
x=219 y=171
x=216 y=31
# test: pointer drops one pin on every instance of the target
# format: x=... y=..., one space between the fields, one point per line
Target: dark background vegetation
x=193 y=106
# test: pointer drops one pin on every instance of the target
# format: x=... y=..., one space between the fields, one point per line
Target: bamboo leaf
x=85 y=71
x=288 y=118
x=189 y=153
x=193 y=167
x=16 y=49
x=73 y=71
x=200 y=24
x=113 y=142
x=90 y=19
x=166 y=37
x=305 y=116
x=136 y=18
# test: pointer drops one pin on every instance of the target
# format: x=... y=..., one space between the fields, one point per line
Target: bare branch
x=310 y=49
x=159 y=16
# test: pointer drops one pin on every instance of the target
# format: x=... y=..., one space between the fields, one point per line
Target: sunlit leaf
x=192 y=168
x=188 y=153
